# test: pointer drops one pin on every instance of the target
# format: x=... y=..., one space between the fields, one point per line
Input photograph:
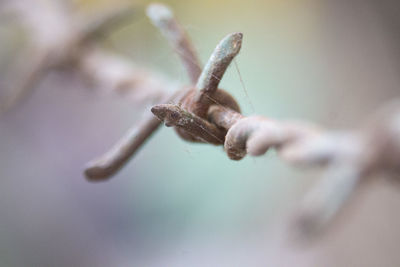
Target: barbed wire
x=349 y=157
x=204 y=113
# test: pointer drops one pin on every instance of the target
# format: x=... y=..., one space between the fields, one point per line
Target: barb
x=112 y=161
x=173 y=115
x=216 y=66
x=163 y=18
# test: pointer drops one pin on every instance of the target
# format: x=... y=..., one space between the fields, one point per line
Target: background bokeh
x=181 y=204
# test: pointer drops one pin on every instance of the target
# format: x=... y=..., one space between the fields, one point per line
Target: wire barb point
x=219 y=61
x=200 y=129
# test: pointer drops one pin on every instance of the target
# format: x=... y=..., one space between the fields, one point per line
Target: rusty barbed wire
x=203 y=113
x=210 y=115
x=196 y=101
x=348 y=156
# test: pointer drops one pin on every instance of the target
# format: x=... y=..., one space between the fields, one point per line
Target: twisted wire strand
x=349 y=156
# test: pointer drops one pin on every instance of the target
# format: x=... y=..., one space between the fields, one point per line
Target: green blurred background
x=182 y=204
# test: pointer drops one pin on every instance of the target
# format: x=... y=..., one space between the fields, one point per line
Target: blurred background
x=181 y=204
